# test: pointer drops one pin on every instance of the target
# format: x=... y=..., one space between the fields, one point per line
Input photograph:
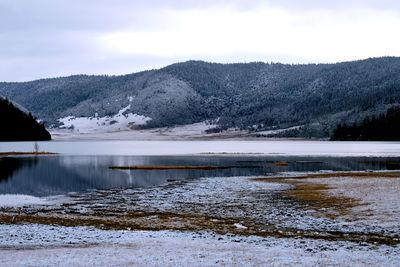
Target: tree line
x=385 y=127
x=16 y=125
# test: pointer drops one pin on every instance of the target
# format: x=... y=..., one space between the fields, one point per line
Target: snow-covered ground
x=42 y=245
x=279 y=131
x=93 y=129
x=20 y=200
x=121 y=121
x=122 y=127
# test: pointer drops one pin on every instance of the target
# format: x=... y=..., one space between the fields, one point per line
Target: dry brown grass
x=156 y=221
x=151 y=221
x=332 y=175
x=230 y=153
x=281 y=164
x=316 y=197
x=13 y=153
x=168 y=167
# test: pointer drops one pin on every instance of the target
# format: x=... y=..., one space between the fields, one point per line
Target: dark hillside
x=15 y=125
x=385 y=127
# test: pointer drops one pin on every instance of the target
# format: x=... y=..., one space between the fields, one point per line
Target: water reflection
x=10 y=165
x=53 y=175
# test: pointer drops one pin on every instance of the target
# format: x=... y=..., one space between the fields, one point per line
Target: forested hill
x=255 y=96
x=385 y=127
x=16 y=125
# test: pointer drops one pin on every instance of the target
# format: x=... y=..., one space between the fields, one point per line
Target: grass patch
x=231 y=153
x=170 y=167
x=316 y=196
x=179 y=167
x=281 y=164
x=13 y=153
x=158 y=221
x=333 y=175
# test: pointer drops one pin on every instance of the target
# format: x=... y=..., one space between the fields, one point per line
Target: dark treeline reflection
x=54 y=175
x=7 y=167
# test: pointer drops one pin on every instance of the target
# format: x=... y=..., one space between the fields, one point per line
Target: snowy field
x=124 y=129
x=43 y=245
x=300 y=148
x=19 y=200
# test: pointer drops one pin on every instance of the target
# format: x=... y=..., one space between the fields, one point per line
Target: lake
x=60 y=174
x=84 y=165
x=78 y=187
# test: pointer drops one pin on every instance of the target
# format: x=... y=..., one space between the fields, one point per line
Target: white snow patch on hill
x=278 y=131
x=179 y=132
x=194 y=129
x=118 y=122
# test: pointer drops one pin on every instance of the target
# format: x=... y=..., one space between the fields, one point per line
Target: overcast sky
x=48 y=38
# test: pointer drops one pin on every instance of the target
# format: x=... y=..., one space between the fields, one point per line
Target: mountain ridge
x=252 y=96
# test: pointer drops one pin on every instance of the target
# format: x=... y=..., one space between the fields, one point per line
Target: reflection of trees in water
x=8 y=166
x=54 y=175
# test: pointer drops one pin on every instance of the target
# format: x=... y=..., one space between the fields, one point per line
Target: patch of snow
x=118 y=122
x=239 y=226
x=278 y=131
x=179 y=132
x=11 y=200
x=187 y=130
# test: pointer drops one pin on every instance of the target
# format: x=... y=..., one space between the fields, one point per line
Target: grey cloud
x=105 y=15
x=73 y=15
x=44 y=38
x=31 y=68
x=46 y=44
x=336 y=4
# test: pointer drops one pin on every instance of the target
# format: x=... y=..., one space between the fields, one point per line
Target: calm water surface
x=54 y=175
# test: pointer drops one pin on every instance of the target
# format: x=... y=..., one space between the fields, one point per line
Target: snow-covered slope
x=119 y=122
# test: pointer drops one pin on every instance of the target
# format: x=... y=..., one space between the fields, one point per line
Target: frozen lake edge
x=228 y=147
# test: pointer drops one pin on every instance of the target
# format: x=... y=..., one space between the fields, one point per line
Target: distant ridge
x=251 y=96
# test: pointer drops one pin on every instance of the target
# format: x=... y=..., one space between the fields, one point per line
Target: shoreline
x=212 y=147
